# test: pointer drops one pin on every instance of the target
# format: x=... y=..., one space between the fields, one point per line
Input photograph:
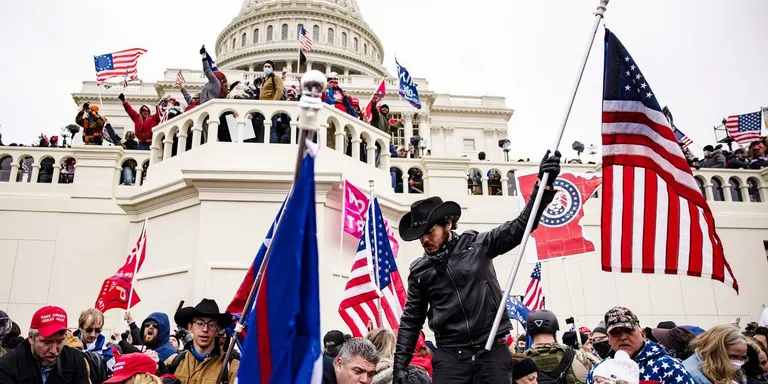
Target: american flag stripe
x=305 y=40
x=533 y=298
x=744 y=128
x=654 y=217
x=122 y=63
x=179 y=80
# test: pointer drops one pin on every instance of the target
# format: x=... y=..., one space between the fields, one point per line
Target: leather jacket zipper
x=461 y=304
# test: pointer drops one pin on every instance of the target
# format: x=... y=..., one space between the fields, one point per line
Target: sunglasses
x=91 y=330
x=151 y=324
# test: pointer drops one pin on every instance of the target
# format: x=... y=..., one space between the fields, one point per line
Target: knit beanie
x=600 y=328
x=523 y=368
x=621 y=367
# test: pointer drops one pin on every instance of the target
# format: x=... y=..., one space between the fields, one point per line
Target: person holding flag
x=455 y=286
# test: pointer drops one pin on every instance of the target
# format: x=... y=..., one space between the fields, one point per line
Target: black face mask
x=602 y=349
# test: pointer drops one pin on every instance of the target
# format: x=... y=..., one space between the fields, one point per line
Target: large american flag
x=654 y=217
x=533 y=294
x=361 y=295
x=744 y=128
x=116 y=64
x=305 y=40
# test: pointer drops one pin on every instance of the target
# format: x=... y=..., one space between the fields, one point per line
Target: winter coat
x=271 y=88
x=345 y=105
x=717 y=160
x=162 y=345
x=100 y=348
x=693 y=366
x=213 y=88
x=655 y=366
x=379 y=120
x=457 y=288
x=142 y=127
x=20 y=367
x=93 y=125
x=192 y=371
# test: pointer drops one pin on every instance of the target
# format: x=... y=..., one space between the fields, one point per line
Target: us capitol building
x=208 y=208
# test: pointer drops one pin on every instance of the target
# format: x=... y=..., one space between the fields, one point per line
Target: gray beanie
x=601 y=328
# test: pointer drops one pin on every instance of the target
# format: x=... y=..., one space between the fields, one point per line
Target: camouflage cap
x=620 y=317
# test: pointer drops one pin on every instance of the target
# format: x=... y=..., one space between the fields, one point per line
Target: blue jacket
x=330 y=100
x=655 y=366
x=693 y=365
x=162 y=346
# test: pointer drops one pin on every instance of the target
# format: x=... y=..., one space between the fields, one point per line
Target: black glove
x=551 y=165
x=202 y=50
x=399 y=377
x=121 y=97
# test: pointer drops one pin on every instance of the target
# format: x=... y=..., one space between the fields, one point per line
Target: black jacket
x=459 y=292
x=20 y=367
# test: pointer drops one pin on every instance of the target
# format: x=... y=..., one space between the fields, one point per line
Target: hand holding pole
x=545 y=178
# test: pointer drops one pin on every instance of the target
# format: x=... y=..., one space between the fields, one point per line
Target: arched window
x=67 y=172
x=316 y=33
x=717 y=190
x=284 y=32
x=269 y=33
x=255 y=35
x=475 y=182
x=494 y=183
x=243 y=40
x=5 y=168
x=397 y=179
x=511 y=186
x=752 y=188
x=735 y=188
x=45 y=173
x=344 y=39
x=700 y=182
x=415 y=180
x=25 y=169
x=365 y=49
x=234 y=42
x=330 y=36
x=355 y=46
x=298 y=30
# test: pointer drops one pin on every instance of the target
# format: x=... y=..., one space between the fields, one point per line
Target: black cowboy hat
x=206 y=308
x=424 y=214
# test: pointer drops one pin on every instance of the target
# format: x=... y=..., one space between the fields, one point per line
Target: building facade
x=66 y=222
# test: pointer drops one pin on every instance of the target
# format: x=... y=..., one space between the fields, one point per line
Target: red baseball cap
x=127 y=366
x=49 y=320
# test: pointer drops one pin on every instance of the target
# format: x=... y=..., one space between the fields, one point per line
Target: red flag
x=560 y=230
x=382 y=89
x=355 y=208
x=116 y=290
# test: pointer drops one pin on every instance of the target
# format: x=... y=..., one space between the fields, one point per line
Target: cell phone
x=570 y=320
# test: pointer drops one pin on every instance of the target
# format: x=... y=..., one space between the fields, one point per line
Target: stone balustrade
x=339 y=130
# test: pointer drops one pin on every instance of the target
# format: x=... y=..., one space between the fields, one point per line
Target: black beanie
x=523 y=368
x=270 y=62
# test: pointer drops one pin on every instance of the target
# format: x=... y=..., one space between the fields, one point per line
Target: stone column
x=408 y=118
x=405 y=182
x=744 y=193
x=213 y=130
x=385 y=160
x=371 y=155
x=156 y=153
x=139 y=175
x=424 y=129
x=197 y=132
x=504 y=188
x=250 y=67
x=182 y=147
x=56 y=173
x=355 y=143
x=491 y=145
x=35 y=173
x=437 y=146
x=346 y=71
x=14 y=172
x=339 y=135
x=763 y=192
x=708 y=193
x=309 y=64
x=167 y=148
x=327 y=69
x=484 y=184
x=449 y=147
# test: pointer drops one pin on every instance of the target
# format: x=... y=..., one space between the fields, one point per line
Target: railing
x=498 y=178
x=60 y=165
x=250 y=121
x=494 y=102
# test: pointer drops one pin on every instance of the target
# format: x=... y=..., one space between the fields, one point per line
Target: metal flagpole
x=529 y=225
x=312 y=85
x=343 y=211
x=373 y=246
x=139 y=252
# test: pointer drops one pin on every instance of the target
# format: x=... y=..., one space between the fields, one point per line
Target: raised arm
x=207 y=68
x=128 y=109
x=187 y=96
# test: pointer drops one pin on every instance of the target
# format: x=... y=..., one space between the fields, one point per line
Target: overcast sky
x=704 y=59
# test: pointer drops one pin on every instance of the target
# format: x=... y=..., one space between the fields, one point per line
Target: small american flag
x=361 y=295
x=116 y=64
x=654 y=217
x=305 y=40
x=179 y=80
x=682 y=138
x=533 y=294
x=744 y=128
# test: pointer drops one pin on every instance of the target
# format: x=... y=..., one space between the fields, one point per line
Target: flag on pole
x=115 y=291
x=210 y=61
x=361 y=295
x=179 y=80
x=381 y=90
x=305 y=40
x=284 y=345
x=560 y=232
x=534 y=299
x=654 y=217
x=517 y=310
x=116 y=64
x=355 y=208
x=682 y=138
x=407 y=86
x=744 y=129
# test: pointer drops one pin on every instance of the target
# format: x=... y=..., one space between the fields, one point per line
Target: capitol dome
x=269 y=30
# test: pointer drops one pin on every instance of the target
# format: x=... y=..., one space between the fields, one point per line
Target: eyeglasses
x=201 y=324
x=92 y=330
x=151 y=324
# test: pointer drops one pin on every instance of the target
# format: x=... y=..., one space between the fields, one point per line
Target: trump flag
x=116 y=290
x=560 y=232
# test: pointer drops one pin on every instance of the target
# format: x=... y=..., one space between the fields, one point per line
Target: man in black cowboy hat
x=455 y=286
x=201 y=363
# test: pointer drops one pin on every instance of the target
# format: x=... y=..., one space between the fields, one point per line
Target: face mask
x=707 y=153
x=602 y=349
x=737 y=363
x=267 y=71
x=520 y=349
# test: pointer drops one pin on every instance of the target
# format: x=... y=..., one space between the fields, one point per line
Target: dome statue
x=350 y=6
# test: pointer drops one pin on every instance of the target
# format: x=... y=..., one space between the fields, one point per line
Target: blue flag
x=408 y=87
x=211 y=63
x=283 y=343
x=517 y=310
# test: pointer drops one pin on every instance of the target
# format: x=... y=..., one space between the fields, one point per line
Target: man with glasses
x=89 y=326
x=625 y=334
x=202 y=361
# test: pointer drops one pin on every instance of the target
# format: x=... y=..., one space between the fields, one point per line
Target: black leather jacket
x=457 y=288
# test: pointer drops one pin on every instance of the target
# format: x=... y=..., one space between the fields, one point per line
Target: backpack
x=558 y=375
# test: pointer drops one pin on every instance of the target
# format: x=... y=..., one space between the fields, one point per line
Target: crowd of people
x=755 y=156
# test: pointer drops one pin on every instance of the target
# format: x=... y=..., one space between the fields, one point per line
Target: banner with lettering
x=355 y=210
x=560 y=232
x=408 y=87
x=116 y=290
